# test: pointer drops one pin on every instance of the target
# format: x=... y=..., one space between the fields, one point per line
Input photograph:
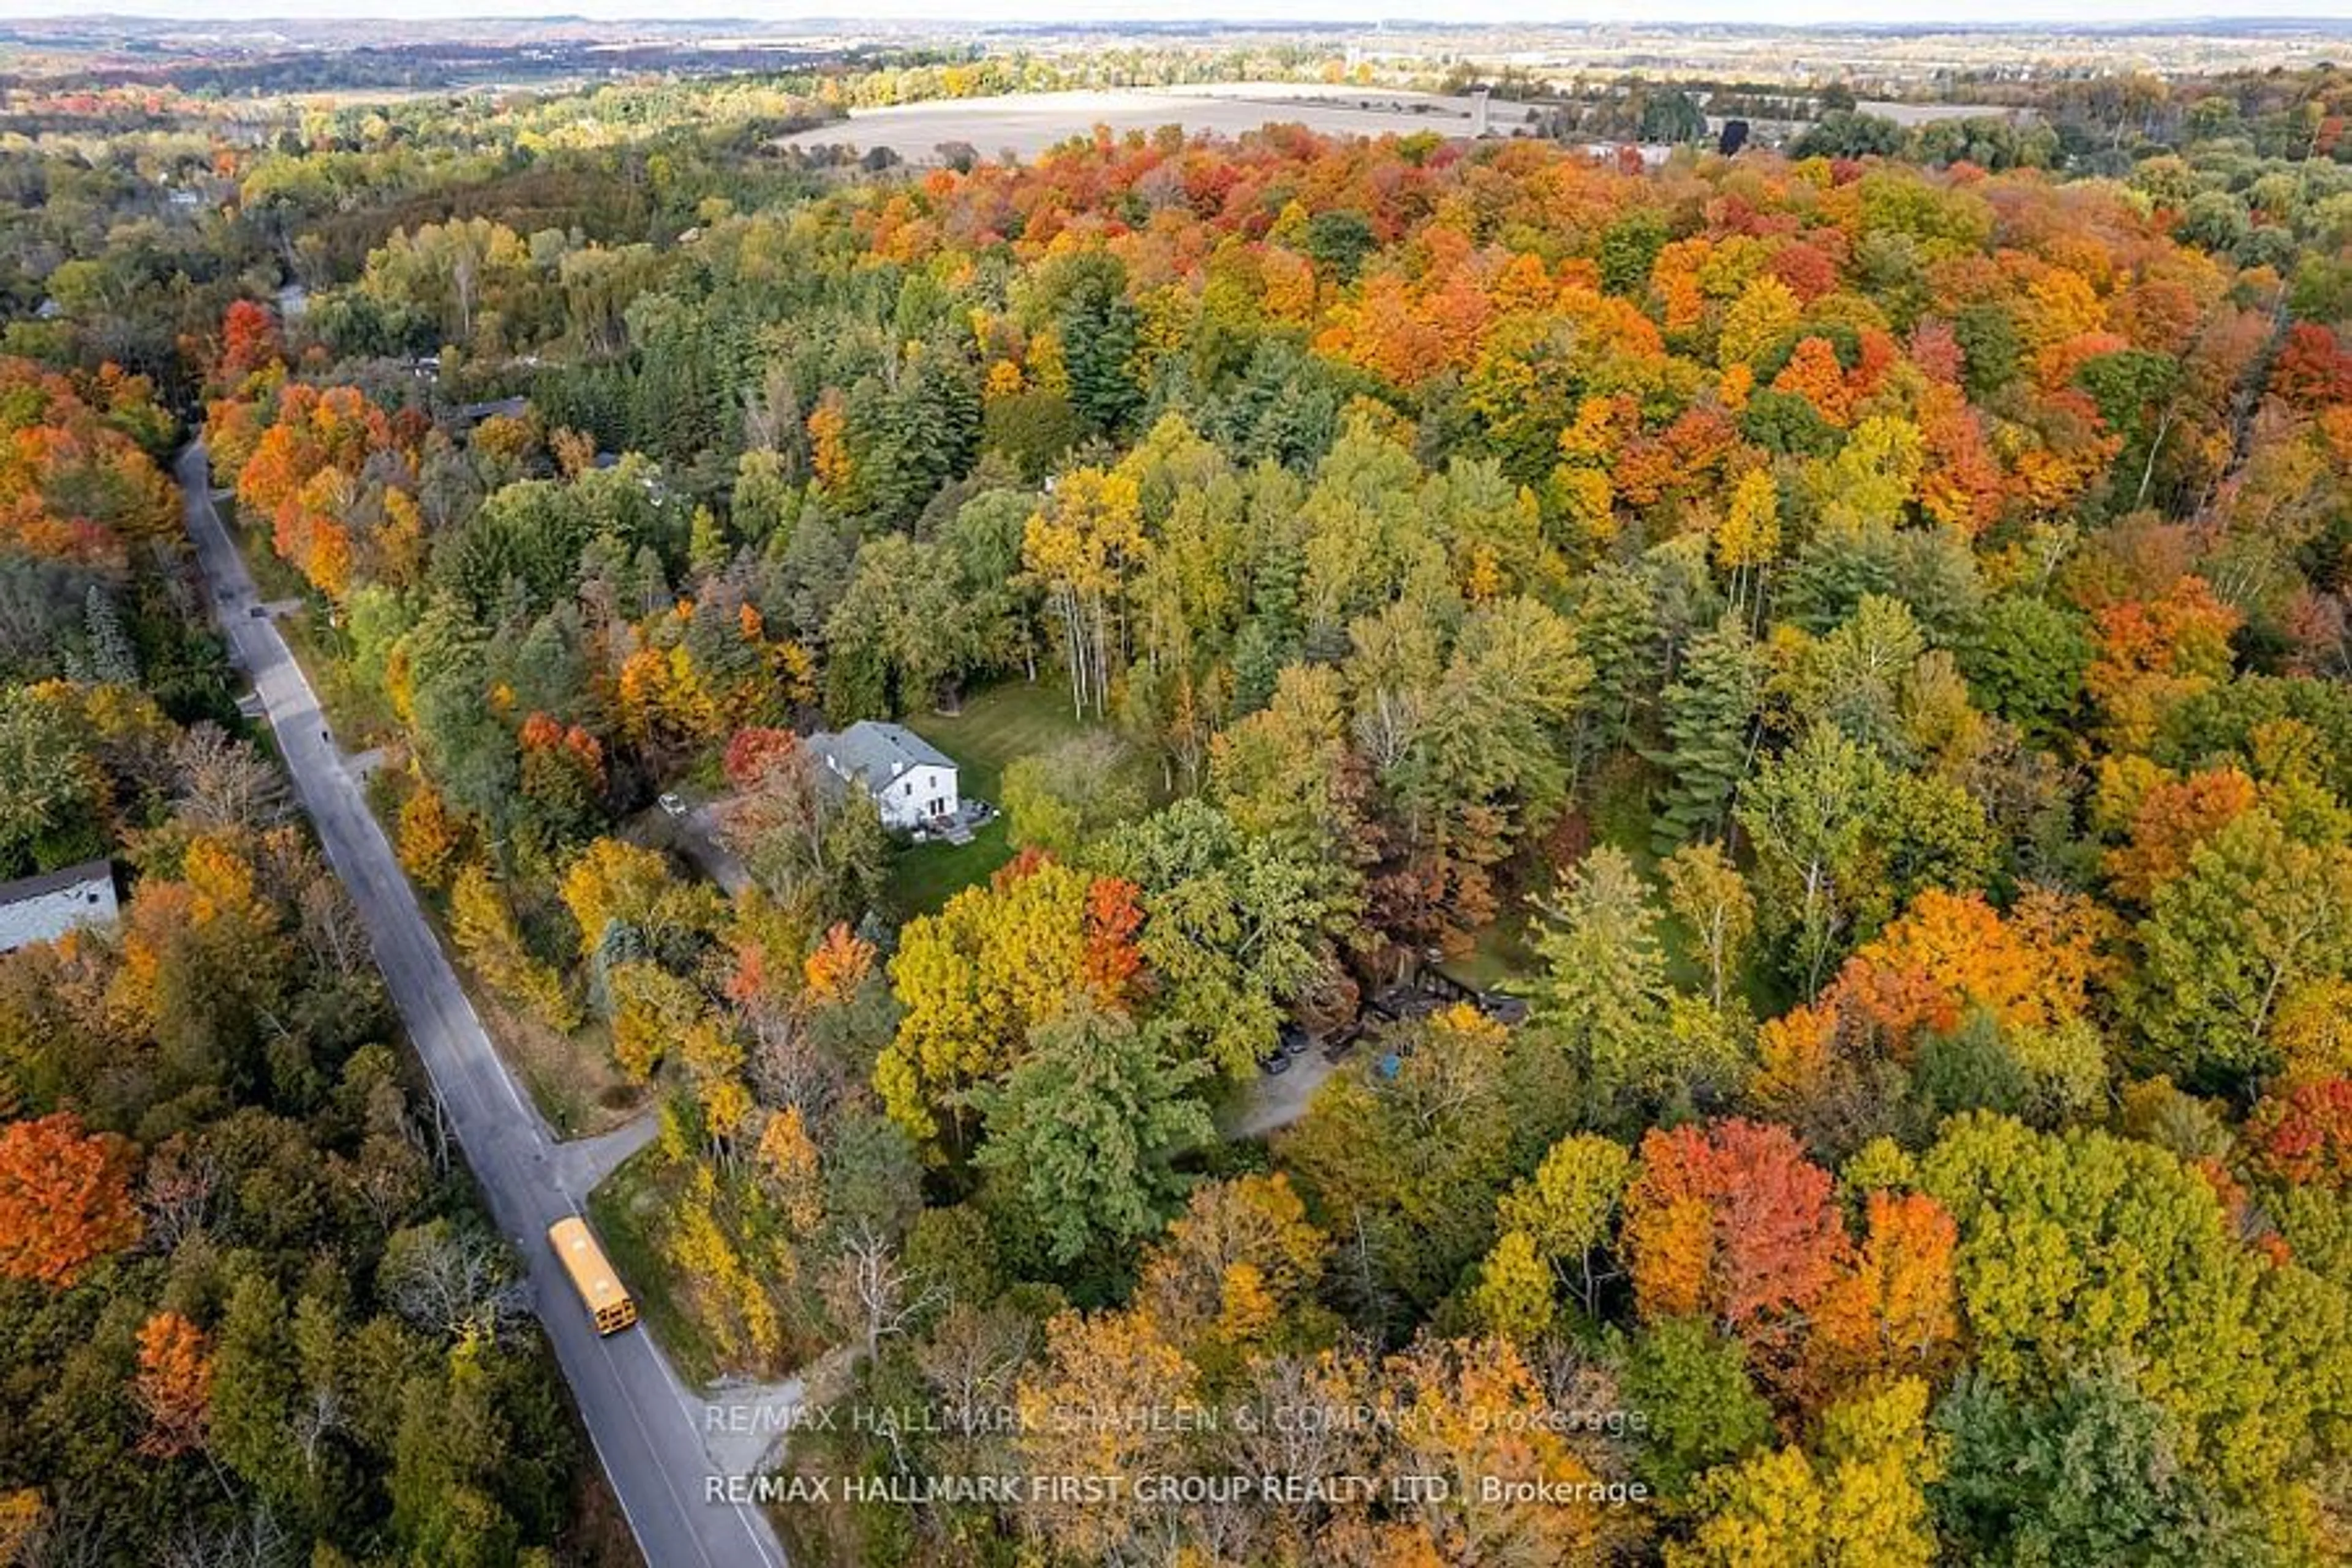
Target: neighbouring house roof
x=44 y=907
x=876 y=753
x=497 y=407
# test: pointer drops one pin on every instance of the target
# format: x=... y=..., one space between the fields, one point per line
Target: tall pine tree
x=1710 y=722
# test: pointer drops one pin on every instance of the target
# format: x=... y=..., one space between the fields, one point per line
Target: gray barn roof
x=875 y=753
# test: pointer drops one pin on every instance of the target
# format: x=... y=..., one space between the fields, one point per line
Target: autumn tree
x=562 y=777
x=2239 y=1350
x=249 y=343
x=2256 y=914
x=1567 y=1209
x=484 y=929
x=1407 y=1168
x=1734 y=1224
x=1702 y=1404
x=23 y=1521
x=975 y=979
x=809 y=843
x=2170 y=820
x=2304 y=1135
x=1513 y=1295
x=1705 y=891
x=173 y=1385
x=1628 y=1038
x=1465 y=1409
x=65 y=1199
x=431 y=836
x=655 y=1013
x=1237 y=1269
x=1859 y=1495
x=2155 y=652
x=1949 y=953
x=613 y=883
x=1095 y=1365
x=837 y=966
x=1061 y=799
x=1081 y=547
x=1893 y=1310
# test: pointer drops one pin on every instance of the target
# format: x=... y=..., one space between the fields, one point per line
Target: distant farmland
x=1027 y=123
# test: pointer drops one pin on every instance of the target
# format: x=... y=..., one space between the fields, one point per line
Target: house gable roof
x=44 y=907
x=876 y=753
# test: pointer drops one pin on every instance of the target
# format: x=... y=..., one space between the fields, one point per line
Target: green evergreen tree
x=253 y=1392
x=1082 y=1135
x=1098 y=344
x=1710 y=723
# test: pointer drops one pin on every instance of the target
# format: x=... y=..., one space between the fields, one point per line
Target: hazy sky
x=2054 y=11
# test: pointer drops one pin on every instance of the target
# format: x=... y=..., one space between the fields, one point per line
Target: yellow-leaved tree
x=488 y=934
x=1858 y=1499
x=973 y=979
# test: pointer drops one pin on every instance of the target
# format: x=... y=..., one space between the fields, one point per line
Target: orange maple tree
x=1814 y=374
x=839 y=966
x=65 y=1198
x=174 y=1386
x=2304 y=1135
x=1732 y=1223
x=249 y=343
x=1952 y=951
x=1894 y=1312
x=2312 y=369
x=2173 y=818
x=1114 y=915
x=2153 y=652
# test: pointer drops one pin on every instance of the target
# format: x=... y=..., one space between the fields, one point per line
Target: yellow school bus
x=591 y=1275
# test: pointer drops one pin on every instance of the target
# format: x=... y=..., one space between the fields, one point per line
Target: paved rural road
x=646 y=1426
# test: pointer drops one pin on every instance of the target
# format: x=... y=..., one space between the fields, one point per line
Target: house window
x=905 y=790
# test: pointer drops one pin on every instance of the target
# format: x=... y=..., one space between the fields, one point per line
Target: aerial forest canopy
x=1835 y=666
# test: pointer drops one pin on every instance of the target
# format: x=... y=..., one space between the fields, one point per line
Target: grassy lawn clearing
x=923 y=876
x=1012 y=720
x=1499 y=954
